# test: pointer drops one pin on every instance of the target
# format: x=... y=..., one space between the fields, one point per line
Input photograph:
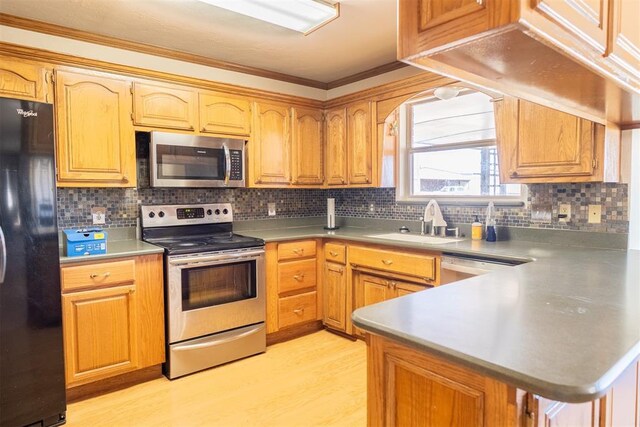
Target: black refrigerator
x=32 y=389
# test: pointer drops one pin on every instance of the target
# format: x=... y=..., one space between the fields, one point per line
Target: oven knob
x=225 y=211
x=217 y=211
x=152 y=214
x=209 y=211
x=161 y=214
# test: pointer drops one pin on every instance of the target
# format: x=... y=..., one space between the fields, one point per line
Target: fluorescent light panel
x=299 y=15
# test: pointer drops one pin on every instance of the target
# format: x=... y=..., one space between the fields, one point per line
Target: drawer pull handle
x=93 y=276
x=299 y=311
x=299 y=277
x=387 y=261
x=332 y=253
x=132 y=291
x=298 y=251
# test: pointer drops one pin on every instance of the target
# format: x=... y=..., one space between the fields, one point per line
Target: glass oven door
x=214 y=293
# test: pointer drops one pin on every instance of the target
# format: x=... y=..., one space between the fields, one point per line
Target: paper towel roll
x=331 y=213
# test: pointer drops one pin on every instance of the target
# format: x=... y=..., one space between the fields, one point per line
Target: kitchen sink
x=417 y=238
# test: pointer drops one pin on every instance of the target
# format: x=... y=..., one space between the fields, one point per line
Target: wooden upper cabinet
x=336 y=146
x=624 y=37
x=23 y=79
x=224 y=115
x=164 y=106
x=307 y=148
x=360 y=142
x=271 y=144
x=96 y=140
x=539 y=144
x=587 y=20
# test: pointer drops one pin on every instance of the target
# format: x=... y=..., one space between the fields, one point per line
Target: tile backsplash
x=74 y=205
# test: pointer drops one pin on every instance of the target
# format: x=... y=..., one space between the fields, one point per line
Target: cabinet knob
x=514 y=174
x=132 y=290
x=299 y=311
x=299 y=277
x=125 y=178
x=204 y=129
x=298 y=251
x=332 y=253
x=387 y=261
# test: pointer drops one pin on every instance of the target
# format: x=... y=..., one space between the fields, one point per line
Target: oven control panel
x=168 y=215
x=189 y=213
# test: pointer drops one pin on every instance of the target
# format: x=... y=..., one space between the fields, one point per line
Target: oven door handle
x=218 y=257
x=227 y=164
x=219 y=341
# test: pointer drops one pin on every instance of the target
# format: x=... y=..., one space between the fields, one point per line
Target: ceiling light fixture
x=303 y=16
x=446 y=92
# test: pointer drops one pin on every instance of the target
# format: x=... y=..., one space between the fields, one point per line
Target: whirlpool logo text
x=29 y=113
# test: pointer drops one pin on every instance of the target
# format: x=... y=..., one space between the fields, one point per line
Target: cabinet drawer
x=296 y=309
x=296 y=275
x=335 y=253
x=98 y=275
x=293 y=250
x=423 y=266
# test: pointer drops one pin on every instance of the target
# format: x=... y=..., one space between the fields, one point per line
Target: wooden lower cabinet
x=335 y=296
x=110 y=329
x=292 y=291
x=407 y=387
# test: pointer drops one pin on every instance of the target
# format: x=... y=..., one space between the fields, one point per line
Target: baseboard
x=118 y=382
x=294 y=332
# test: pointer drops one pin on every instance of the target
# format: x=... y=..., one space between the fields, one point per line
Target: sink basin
x=417 y=238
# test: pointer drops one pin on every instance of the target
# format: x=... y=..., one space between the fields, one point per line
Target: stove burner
x=188 y=244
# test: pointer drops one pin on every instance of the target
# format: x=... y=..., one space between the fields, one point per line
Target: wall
x=74 y=205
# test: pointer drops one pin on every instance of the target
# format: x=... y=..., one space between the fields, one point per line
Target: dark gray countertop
x=564 y=326
x=115 y=249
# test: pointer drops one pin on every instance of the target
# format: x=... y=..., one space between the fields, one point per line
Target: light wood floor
x=316 y=380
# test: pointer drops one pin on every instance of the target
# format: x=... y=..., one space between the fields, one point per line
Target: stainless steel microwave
x=182 y=160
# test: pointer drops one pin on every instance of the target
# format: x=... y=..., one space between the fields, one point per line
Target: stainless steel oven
x=215 y=292
x=183 y=160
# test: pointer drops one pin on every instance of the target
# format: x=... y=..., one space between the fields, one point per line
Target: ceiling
x=362 y=38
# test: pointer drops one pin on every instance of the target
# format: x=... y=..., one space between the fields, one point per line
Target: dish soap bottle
x=491 y=223
x=476 y=229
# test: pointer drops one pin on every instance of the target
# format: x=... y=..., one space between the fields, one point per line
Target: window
x=449 y=151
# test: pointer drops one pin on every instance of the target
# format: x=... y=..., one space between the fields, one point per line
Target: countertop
x=563 y=326
x=115 y=249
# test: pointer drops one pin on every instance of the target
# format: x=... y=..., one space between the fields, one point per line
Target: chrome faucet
x=433 y=215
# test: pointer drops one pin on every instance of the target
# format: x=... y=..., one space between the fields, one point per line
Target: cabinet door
x=624 y=37
x=224 y=115
x=539 y=144
x=404 y=288
x=164 y=106
x=100 y=336
x=586 y=20
x=307 y=149
x=96 y=140
x=360 y=143
x=336 y=141
x=559 y=414
x=372 y=289
x=24 y=80
x=271 y=144
x=335 y=296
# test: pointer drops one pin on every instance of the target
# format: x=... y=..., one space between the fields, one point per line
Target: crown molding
x=376 y=71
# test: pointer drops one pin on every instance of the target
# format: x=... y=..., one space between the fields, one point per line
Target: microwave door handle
x=3 y=257
x=227 y=164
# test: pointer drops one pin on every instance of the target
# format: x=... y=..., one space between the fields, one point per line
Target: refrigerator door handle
x=3 y=257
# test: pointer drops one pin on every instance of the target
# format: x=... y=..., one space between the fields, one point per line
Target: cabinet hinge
x=594 y=163
x=52 y=77
x=530 y=409
x=132 y=119
x=131 y=90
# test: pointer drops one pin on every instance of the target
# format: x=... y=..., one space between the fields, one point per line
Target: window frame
x=406 y=165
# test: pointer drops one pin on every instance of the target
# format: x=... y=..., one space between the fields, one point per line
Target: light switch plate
x=271 y=207
x=98 y=215
x=595 y=214
x=564 y=213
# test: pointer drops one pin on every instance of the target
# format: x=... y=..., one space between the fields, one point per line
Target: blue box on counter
x=91 y=241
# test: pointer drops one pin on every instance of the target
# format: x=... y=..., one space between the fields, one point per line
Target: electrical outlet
x=272 y=209
x=564 y=213
x=595 y=214
x=372 y=207
x=99 y=215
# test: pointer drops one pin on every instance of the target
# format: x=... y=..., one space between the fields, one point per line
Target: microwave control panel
x=236 y=165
